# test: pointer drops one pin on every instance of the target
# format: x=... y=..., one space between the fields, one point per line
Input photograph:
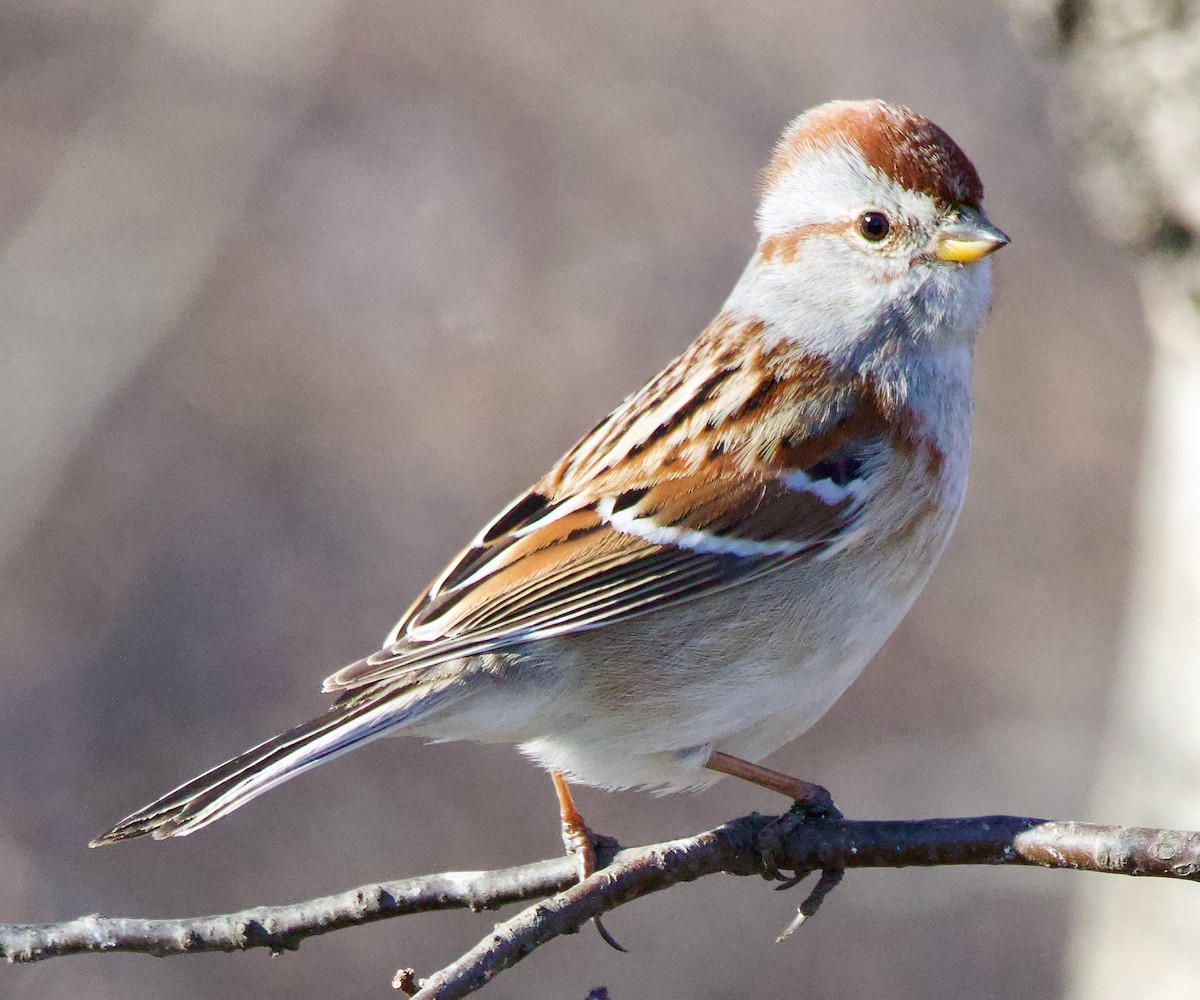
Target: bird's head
x=871 y=228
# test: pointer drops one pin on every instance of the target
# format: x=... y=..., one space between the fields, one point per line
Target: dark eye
x=874 y=226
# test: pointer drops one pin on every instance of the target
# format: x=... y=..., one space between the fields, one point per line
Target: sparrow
x=704 y=573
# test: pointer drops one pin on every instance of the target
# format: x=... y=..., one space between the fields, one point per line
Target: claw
x=828 y=881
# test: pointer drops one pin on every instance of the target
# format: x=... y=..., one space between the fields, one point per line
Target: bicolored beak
x=968 y=237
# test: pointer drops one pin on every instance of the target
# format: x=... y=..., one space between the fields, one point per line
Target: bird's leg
x=810 y=797
x=580 y=842
x=578 y=839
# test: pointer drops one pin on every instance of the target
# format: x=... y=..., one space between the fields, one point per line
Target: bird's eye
x=874 y=226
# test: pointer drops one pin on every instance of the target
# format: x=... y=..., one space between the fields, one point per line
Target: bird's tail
x=228 y=786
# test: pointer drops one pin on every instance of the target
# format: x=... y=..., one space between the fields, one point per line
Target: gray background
x=293 y=298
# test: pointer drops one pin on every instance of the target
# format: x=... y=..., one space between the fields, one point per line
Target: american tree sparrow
x=704 y=573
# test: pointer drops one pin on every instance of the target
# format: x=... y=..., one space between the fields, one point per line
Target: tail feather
x=226 y=787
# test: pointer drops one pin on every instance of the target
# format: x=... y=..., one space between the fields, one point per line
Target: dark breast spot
x=840 y=468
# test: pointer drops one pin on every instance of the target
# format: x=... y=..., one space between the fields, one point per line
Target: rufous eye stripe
x=784 y=247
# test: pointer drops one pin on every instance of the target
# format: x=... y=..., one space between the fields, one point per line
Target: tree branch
x=752 y=845
x=282 y=928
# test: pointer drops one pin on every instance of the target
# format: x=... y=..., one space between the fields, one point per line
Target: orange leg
x=804 y=792
x=577 y=838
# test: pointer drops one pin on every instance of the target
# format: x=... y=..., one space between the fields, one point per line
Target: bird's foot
x=814 y=808
x=580 y=844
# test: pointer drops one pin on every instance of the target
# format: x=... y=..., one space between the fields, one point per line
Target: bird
x=698 y=579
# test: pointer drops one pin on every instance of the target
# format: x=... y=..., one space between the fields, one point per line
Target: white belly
x=643 y=703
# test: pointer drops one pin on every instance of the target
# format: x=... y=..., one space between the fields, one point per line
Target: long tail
x=228 y=786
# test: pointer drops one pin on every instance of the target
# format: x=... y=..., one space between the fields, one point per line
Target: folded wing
x=545 y=568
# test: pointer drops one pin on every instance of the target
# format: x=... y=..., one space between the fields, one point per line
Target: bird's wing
x=547 y=567
x=735 y=460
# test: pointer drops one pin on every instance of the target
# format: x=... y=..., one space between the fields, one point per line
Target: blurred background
x=294 y=296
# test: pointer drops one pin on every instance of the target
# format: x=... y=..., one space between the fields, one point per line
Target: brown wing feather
x=579 y=571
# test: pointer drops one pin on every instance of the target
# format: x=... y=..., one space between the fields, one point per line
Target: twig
x=282 y=928
x=741 y=847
